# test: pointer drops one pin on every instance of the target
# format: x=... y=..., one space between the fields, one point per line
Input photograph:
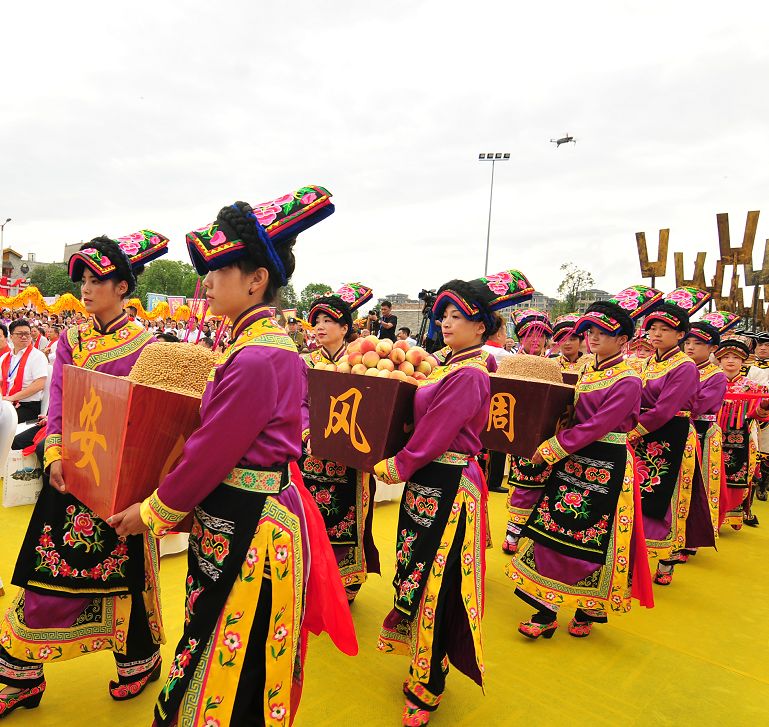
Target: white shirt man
x=496 y=344
x=33 y=368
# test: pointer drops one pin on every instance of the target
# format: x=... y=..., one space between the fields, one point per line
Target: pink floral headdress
x=140 y=248
x=212 y=246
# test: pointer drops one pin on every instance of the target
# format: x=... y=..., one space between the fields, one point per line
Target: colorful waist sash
x=706 y=418
x=268 y=481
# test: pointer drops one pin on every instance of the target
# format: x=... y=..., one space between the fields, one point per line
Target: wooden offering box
x=120 y=438
x=358 y=420
x=525 y=413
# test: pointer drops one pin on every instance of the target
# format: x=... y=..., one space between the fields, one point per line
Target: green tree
x=575 y=280
x=168 y=277
x=51 y=279
x=287 y=297
x=308 y=295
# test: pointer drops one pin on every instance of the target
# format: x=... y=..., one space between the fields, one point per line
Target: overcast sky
x=118 y=116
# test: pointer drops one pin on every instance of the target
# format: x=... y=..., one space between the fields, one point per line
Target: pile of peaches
x=371 y=356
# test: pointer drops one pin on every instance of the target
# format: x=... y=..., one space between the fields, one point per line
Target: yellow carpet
x=699 y=658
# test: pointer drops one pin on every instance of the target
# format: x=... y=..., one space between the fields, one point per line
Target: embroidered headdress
x=478 y=299
x=563 y=327
x=342 y=304
x=677 y=307
x=267 y=226
x=526 y=320
x=732 y=345
x=712 y=326
x=138 y=249
x=617 y=315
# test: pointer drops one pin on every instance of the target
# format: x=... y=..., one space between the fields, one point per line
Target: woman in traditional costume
x=345 y=496
x=756 y=369
x=84 y=588
x=567 y=342
x=584 y=538
x=739 y=421
x=440 y=550
x=638 y=350
x=700 y=343
x=524 y=478
x=664 y=438
x=251 y=594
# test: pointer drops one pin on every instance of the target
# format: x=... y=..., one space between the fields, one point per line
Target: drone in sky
x=566 y=139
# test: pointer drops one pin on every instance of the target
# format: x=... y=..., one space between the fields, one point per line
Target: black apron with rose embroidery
x=223 y=527
x=737 y=456
x=575 y=515
x=526 y=475
x=70 y=550
x=658 y=456
x=424 y=512
x=333 y=487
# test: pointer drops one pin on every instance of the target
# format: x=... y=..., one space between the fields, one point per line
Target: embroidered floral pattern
x=409 y=585
x=84 y=532
x=592 y=534
x=51 y=561
x=181 y=662
x=651 y=466
x=403 y=551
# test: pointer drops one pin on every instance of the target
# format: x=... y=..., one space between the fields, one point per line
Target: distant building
x=590 y=296
x=395 y=298
x=540 y=302
x=70 y=250
x=15 y=266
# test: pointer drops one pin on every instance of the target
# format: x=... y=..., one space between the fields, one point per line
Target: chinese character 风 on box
x=358 y=420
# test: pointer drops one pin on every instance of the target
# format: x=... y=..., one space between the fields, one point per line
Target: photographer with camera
x=387 y=321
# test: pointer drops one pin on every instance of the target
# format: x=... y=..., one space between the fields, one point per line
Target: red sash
x=6 y=368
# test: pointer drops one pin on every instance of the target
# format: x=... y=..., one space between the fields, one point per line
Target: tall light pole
x=2 y=244
x=492 y=157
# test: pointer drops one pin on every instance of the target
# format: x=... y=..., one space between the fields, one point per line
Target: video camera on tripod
x=429 y=336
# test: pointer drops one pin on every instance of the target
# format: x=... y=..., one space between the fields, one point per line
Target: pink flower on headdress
x=347 y=294
x=217 y=239
x=154 y=240
x=523 y=284
x=628 y=299
x=130 y=248
x=682 y=298
x=88 y=251
x=285 y=199
x=308 y=198
x=205 y=228
x=267 y=213
x=133 y=237
x=105 y=262
x=499 y=283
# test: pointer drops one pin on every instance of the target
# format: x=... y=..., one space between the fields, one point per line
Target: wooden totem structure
x=656 y=269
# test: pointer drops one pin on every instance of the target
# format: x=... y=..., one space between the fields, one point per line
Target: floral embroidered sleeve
x=158 y=517
x=674 y=397
x=53 y=452
x=623 y=397
x=387 y=471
